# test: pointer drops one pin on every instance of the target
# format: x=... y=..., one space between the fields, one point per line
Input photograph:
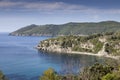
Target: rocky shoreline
x=66 y=51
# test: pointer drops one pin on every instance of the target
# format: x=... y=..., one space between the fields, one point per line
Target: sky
x=15 y=14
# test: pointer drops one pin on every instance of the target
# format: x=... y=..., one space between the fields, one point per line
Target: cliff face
x=105 y=44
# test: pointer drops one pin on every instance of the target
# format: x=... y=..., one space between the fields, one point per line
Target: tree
x=49 y=74
x=113 y=76
x=95 y=72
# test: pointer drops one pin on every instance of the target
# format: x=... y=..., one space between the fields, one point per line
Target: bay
x=19 y=60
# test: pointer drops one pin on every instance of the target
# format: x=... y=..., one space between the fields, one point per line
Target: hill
x=68 y=28
x=107 y=44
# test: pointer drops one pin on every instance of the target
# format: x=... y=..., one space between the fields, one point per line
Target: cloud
x=4 y=4
x=39 y=5
x=96 y=17
x=53 y=7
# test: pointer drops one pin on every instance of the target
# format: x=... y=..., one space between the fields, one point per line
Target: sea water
x=19 y=60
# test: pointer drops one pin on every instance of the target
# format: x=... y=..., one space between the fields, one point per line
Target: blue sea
x=19 y=60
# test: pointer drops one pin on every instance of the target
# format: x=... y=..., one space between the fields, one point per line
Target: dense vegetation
x=68 y=28
x=107 y=43
x=113 y=44
x=97 y=71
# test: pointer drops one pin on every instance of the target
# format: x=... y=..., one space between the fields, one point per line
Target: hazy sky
x=15 y=14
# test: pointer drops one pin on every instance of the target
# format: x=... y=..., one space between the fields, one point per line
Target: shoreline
x=81 y=53
x=98 y=55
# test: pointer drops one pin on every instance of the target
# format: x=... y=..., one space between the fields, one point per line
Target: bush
x=49 y=74
x=95 y=72
x=112 y=76
x=97 y=45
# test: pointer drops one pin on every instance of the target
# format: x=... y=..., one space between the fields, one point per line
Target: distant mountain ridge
x=72 y=28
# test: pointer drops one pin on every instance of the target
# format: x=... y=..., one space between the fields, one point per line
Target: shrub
x=95 y=72
x=49 y=74
x=111 y=76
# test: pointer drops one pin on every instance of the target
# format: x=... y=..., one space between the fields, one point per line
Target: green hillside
x=103 y=44
x=68 y=28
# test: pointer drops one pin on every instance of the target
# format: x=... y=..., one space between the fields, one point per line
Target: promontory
x=106 y=44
